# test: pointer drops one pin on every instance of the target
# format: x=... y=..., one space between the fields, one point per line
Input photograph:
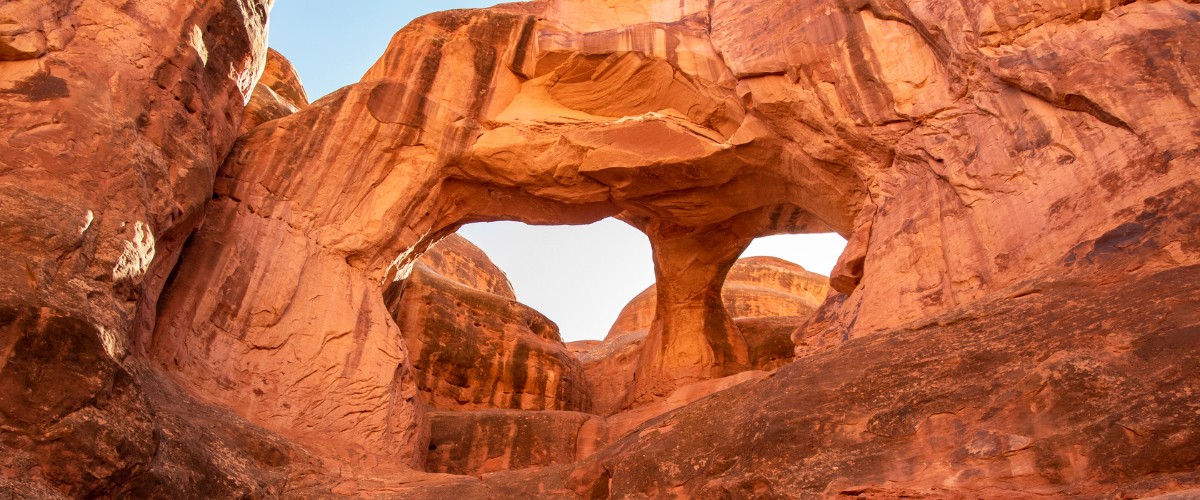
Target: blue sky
x=580 y=276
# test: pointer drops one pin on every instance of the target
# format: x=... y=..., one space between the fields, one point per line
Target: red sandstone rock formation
x=1015 y=313
x=114 y=117
x=460 y=261
x=278 y=93
x=474 y=349
x=768 y=298
x=764 y=287
x=479 y=442
x=756 y=287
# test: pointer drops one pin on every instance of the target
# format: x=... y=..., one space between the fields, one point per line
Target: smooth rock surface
x=278 y=93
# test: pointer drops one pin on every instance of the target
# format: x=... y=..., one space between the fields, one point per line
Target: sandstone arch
x=393 y=164
x=496 y=114
x=987 y=166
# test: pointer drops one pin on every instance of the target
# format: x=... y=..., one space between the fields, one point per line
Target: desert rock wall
x=114 y=118
x=1016 y=181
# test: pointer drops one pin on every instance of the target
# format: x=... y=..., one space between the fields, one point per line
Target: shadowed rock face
x=114 y=117
x=1014 y=313
x=480 y=442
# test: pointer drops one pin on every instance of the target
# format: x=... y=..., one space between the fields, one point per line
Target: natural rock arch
x=1023 y=174
x=341 y=188
x=391 y=165
x=676 y=118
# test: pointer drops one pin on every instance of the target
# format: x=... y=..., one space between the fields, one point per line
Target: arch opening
x=579 y=276
x=815 y=252
x=486 y=361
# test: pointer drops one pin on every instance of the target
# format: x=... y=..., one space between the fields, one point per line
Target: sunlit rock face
x=1014 y=313
x=768 y=299
x=278 y=93
x=473 y=345
x=756 y=287
x=460 y=261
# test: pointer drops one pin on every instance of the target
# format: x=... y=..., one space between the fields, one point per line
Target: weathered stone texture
x=475 y=350
x=767 y=298
x=1014 y=314
x=114 y=117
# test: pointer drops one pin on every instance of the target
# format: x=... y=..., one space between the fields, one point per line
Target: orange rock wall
x=973 y=175
x=768 y=299
x=114 y=117
x=473 y=350
x=756 y=287
x=460 y=261
x=480 y=442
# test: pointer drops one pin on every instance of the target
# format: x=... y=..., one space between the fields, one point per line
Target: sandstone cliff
x=114 y=118
x=473 y=345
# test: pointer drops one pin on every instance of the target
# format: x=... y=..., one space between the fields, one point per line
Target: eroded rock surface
x=1014 y=313
x=479 y=442
x=114 y=117
x=1038 y=392
x=767 y=299
x=960 y=150
x=474 y=349
x=277 y=94
x=460 y=261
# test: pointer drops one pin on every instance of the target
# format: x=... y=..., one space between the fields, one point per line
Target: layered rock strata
x=479 y=442
x=954 y=165
x=460 y=261
x=475 y=350
x=756 y=287
x=1038 y=392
